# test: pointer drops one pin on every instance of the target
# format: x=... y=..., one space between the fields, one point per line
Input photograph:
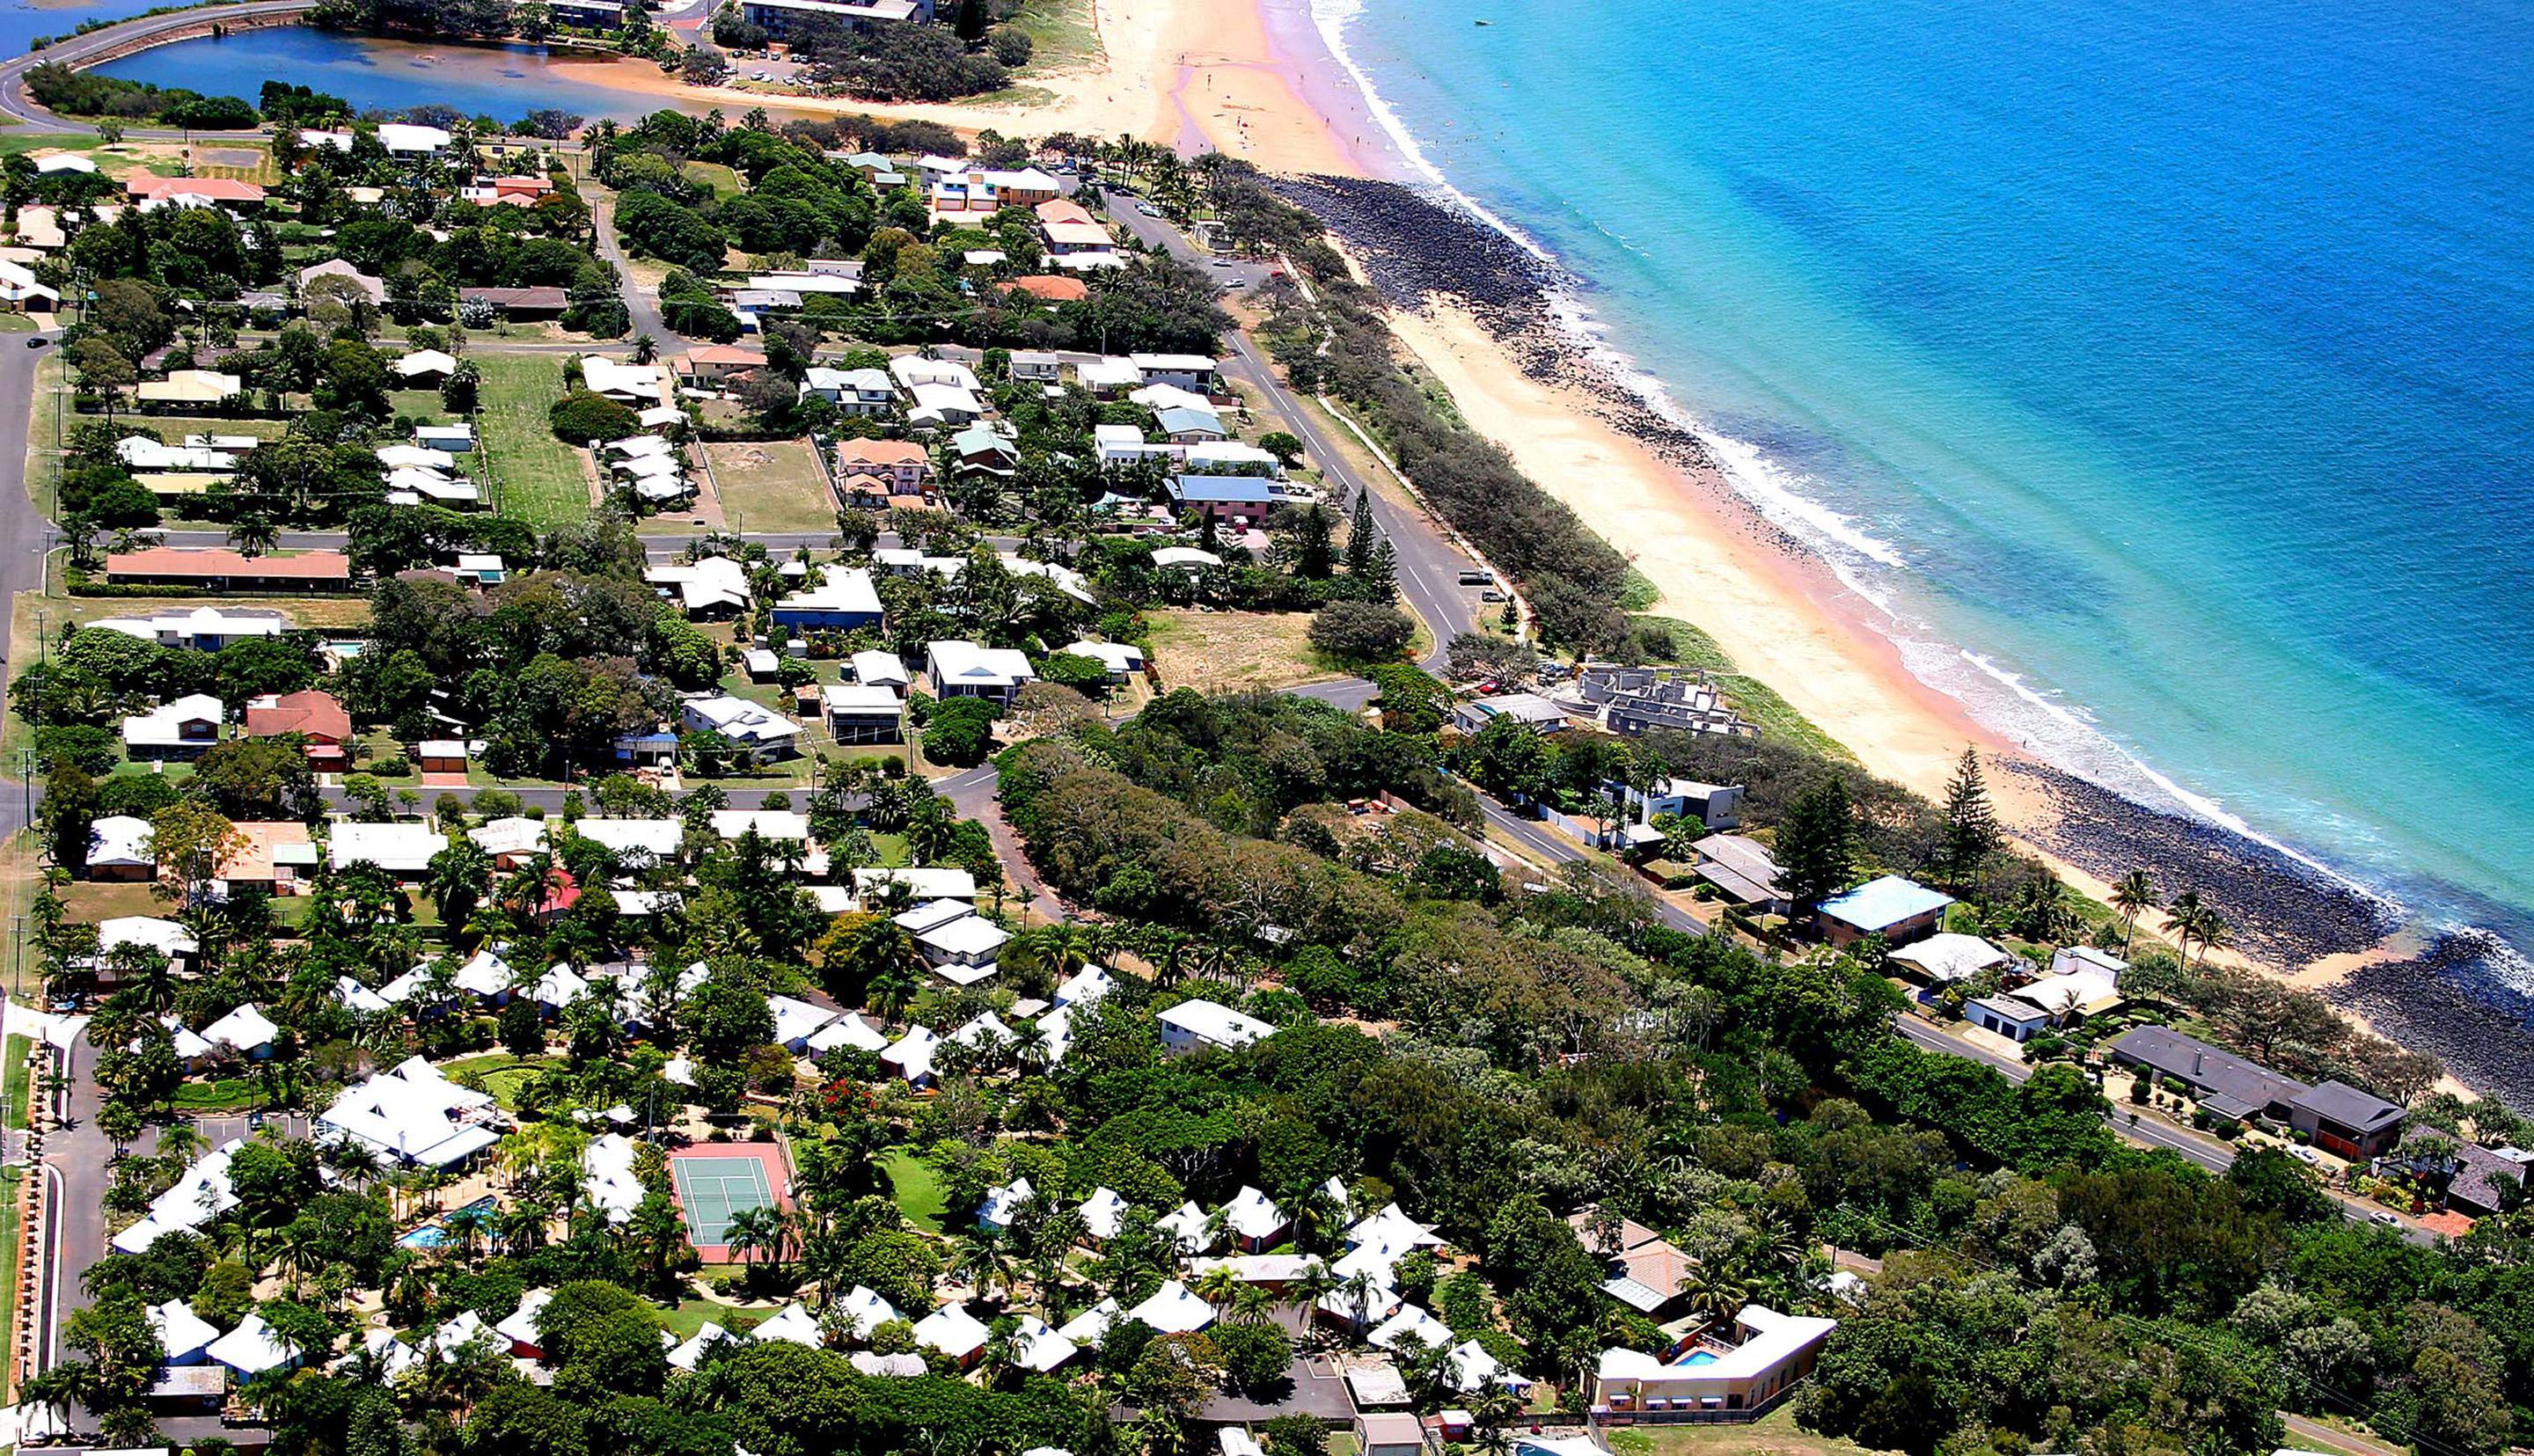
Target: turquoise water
x=2174 y=359
x=504 y=83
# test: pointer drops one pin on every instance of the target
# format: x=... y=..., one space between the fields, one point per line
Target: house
x=401 y=850
x=2069 y=960
x=742 y=722
x=720 y=363
x=589 y=15
x=963 y=669
x=912 y=1054
x=1642 y=1269
x=861 y=1310
x=2221 y=1081
x=1107 y=375
x=245 y=1031
x=1743 y=871
x=441 y=756
x=216 y=568
x=1254 y=1220
x=1184 y=558
x=144 y=455
x=2339 y=1119
x=424 y=368
x=190 y=389
x=1192 y=372
x=1092 y=1324
x=412 y=1116
x=2479 y=1180
x=1172 y=1309
x=200 y=1194
x=938 y=883
x=1034 y=366
x=1389 y=1433
x=181 y=729
x=1122 y=660
x=981 y=451
x=1231 y=458
x=520 y=305
x=1529 y=709
x=1037 y=1348
x=852 y=1030
x=253 y=1347
x=1767 y=1354
x=942 y=404
x=322 y=726
x=625 y=383
x=865 y=394
x=447 y=439
x=1201 y=1025
x=2010 y=1017
x=1946 y=957
x=1632 y=700
x=1245 y=499
x=708 y=586
x=953 y=1331
x=374 y=289
x=845 y=600
x=269 y=858
x=1003 y=1204
x=796 y=1020
x=2072 y=993
x=862 y=715
x=148 y=191
x=1182 y=425
x=512 y=841
x=401 y=138
x=963 y=951
x=636 y=842
x=1897 y=909
x=118 y=848
x=51 y=162
x=183 y=1335
x=881 y=670
x=1713 y=806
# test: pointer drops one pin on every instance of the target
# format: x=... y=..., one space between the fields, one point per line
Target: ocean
x=2165 y=369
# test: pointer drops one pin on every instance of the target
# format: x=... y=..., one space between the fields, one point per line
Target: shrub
x=960 y=733
x=1360 y=632
x=580 y=416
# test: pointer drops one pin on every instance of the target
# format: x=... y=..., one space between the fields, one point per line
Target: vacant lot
x=1234 y=649
x=536 y=477
x=771 y=486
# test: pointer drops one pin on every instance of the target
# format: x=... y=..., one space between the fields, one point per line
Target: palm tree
x=985 y=1260
x=2182 y=917
x=253 y=535
x=2214 y=931
x=2134 y=896
x=645 y=348
x=1713 y=1294
x=471 y=1224
x=756 y=1232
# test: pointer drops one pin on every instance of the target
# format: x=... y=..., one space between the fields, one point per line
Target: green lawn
x=218 y=1095
x=773 y=485
x=1063 y=33
x=500 y=1073
x=1775 y=1433
x=14 y=1090
x=537 y=477
x=692 y=1315
x=722 y=180
x=916 y=1187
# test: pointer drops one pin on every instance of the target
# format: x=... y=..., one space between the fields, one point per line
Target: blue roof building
x=1897 y=909
x=1246 y=497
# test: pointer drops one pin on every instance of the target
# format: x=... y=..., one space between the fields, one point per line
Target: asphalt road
x=16 y=105
x=24 y=532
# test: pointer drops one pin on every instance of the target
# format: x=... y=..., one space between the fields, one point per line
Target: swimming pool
x=428 y=1236
x=1697 y=1358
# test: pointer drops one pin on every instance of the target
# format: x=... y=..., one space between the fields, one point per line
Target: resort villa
x=1765 y=1354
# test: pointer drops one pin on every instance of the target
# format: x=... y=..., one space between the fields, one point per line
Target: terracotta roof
x=882 y=453
x=540 y=297
x=313 y=713
x=257 y=841
x=181 y=561
x=722 y=353
x=1048 y=287
x=1063 y=210
x=218 y=188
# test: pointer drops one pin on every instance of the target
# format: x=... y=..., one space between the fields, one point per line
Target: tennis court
x=715 y=1187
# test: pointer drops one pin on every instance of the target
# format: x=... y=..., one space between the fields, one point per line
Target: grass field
x=916 y=1188
x=218 y=1095
x=1772 y=1434
x=20 y=1078
x=691 y=1315
x=539 y=478
x=93 y=900
x=500 y=1073
x=771 y=486
x=722 y=180
x=1063 y=35
x=1234 y=650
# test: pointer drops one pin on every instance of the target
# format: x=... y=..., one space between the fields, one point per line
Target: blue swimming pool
x=428 y=1236
x=1697 y=1358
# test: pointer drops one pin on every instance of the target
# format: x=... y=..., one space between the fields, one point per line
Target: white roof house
x=853 y=1029
x=1946 y=956
x=519 y=1327
x=182 y=1334
x=607 y=1176
x=120 y=839
x=1084 y=986
x=1188 y=1226
x=1771 y=1339
x=787 y=825
x=1173 y=1309
x=399 y=849
x=358 y=998
x=881 y=669
x=1195 y=1024
x=202 y=627
x=965 y=669
x=1038 y=1348
x=840 y=593
x=166 y=936
x=252 y=1348
x=199 y=1194
x=1003 y=1204
x=1121 y=658
x=1410 y=1323
x=1184 y=557
x=1102 y=1212
x=1092 y=1324
x=402 y=138
x=193 y=719
x=739 y=720
x=986 y=1034
x=710 y=583
x=657 y=838
x=1254 y=1216
x=1109 y=373
x=792 y=1324
x=963 y=952
x=911 y=1054
x=691 y=1354
x=911 y=370
x=513 y=836
x=953 y=1331
x=245 y=1030
x=862 y=1312
x=422 y=362
x=794 y=1020
x=623 y=382
x=415 y=1113
x=417 y=457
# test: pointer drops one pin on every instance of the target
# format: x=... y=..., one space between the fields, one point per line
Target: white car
x=2386 y=1217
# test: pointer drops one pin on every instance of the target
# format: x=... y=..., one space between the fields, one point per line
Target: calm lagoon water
x=2166 y=366
x=504 y=83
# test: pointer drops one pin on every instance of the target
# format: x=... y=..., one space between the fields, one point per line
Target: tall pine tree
x=1971 y=833
x=1313 y=557
x=1360 y=535
x=1817 y=843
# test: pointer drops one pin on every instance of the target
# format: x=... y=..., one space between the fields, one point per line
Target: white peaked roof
x=1039 y=1348
x=400 y=848
x=1056 y=1033
x=1215 y=1023
x=519 y=1327
x=242 y=1030
x=1410 y=1324
x=607 y=1176
x=1260 y=1268
x=413 y=1113
x=1339 y=1197
x=1116 y=656
x=1004 y=1204
x=899 y=1367
x=560 y=986
x=182 y=1333
x=879 y=667
x=841 y=591
x=1173 y=1309
x=657 y=837
x=991 y=667
x=985 y=1034
x=162 y=725
x=606 y=376
x=466 y=1329
x=1474 y=1368
x=861 y=1310
x=1188 y=1226
x=398 y=136
x=1102 y=1212
x=1251 y=1214
x=1773 y=1338
x=1171 y=396
x=911 y=370
x=165 y=936
x=395 y=1355
x=710 y=582
x=187 y=1045
x=1184 y=556
x=746 y=722
x=952 y=1330
x=691 y=1354
x=417 y=457
x=1091 y=1325
x=1392 y=1228
x=119 y=839
x=252 y=1348
x=791 y=1323
x=911 y=1054
x=853 y=1029
x=794 y=1020
x=770 y=824
x=930 y=882
x=423 y=361
x=517 y=834
x=1085 y=985
x=200 y=1194
x=1950 y=956
x=932 y=915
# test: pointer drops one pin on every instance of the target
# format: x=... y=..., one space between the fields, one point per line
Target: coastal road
x=25 y=534
x=75 y=50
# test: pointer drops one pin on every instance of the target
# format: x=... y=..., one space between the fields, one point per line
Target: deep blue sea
x=2166 y=366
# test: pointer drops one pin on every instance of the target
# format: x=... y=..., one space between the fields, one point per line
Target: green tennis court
x=715 y=1190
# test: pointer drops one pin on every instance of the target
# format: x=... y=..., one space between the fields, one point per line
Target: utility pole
x=43 y=642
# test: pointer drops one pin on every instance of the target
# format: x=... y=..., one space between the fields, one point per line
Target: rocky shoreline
x=2446 y=1002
